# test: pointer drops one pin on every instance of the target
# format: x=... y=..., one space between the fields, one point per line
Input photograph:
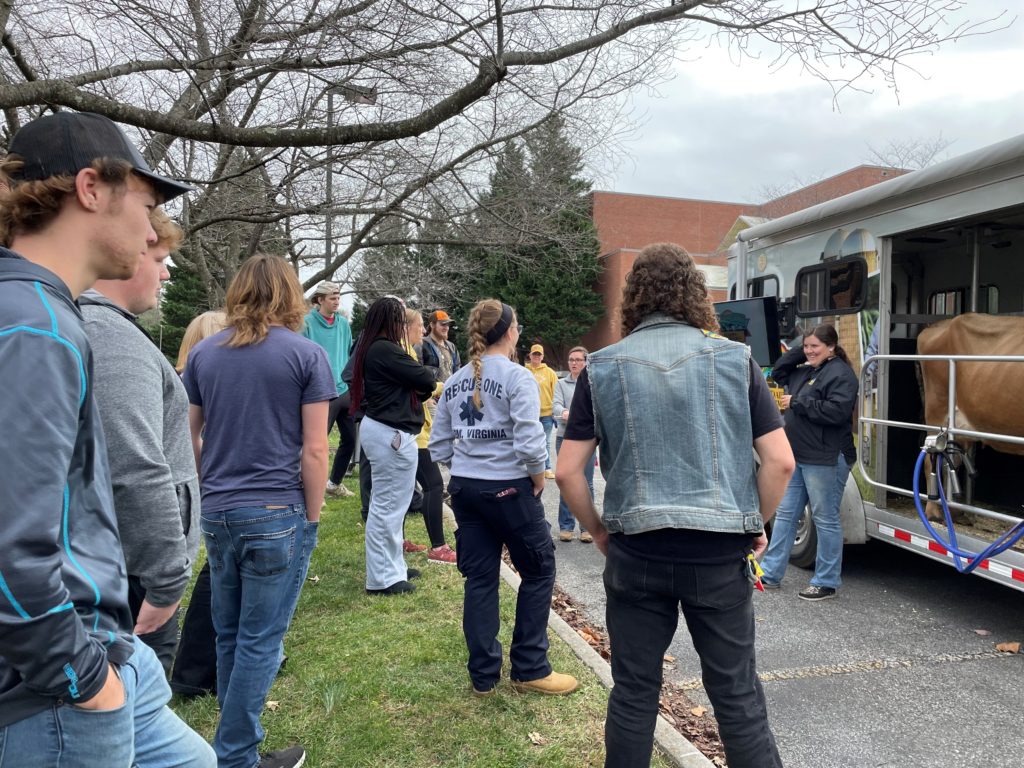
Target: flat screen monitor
x=755 y=322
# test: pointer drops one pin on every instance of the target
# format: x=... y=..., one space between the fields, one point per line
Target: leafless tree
x=404 y=103
x=910 y=153
x=799 y=191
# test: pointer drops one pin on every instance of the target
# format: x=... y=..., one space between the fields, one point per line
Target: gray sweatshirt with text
x=503 y=440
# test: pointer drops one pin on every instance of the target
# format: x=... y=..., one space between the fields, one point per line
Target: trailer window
x=763 y=286
x=956 y=301
x=832 y=288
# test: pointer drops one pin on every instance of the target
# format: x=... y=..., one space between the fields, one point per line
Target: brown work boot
x=555 y=684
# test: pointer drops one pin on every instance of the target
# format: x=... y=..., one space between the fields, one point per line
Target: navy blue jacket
x=63 y=585
x=819 y=420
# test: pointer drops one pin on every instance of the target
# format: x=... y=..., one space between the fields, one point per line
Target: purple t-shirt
x=252 y=400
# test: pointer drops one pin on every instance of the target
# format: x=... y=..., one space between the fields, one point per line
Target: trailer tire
x=805 y=546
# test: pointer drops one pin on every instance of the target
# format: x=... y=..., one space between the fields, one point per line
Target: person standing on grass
x=259 y=395
x=435 y=351
x=144 y=410
x=327 y=327
x=427 y=474
x=389 y=387
x=487 y=427
x=195 y=663
x=676 y=409
x=564 y=390
x=546 y=380
x=77 y=687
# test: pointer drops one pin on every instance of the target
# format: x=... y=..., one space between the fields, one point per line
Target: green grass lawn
x=382 y=681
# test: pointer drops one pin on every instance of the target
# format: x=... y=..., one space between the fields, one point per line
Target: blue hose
x=1001 y=544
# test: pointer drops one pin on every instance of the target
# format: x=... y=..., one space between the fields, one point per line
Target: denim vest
x=672 y=414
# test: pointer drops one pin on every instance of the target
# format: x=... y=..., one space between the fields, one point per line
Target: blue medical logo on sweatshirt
x=469 y=413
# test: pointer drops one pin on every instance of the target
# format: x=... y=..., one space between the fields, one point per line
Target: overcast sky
x=723 y=131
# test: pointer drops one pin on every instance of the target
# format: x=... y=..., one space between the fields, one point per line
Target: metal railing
x=949 y=428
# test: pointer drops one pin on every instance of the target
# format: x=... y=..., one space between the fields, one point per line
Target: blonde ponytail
x=482 y=318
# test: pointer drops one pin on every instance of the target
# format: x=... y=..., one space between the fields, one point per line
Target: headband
x=500 y=327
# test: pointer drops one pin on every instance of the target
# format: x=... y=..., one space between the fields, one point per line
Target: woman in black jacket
x=821 y=395
x=389 y=387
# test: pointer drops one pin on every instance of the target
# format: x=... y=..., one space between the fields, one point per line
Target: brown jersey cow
x=989 y=395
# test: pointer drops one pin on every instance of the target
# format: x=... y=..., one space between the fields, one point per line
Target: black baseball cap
x=64 y=143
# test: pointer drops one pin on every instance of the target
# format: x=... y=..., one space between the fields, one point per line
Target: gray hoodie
x=504 y=439
x=564 y=391
x=144 y=410
x=64 y=598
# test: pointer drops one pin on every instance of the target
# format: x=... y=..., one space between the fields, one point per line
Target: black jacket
x=394 y=386
x=819 y=420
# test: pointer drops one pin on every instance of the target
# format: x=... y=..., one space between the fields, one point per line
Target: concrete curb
x=667 y=739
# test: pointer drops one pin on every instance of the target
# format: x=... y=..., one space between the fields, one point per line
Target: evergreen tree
x=538 y=186
x=184 y=297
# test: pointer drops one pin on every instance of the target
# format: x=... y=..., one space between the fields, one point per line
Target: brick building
x=705 y=228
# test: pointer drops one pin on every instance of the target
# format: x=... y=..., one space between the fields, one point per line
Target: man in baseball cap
x=435 y=351
x=64 y=143
x=546 y=380
x=328 y=327
x=75 y=208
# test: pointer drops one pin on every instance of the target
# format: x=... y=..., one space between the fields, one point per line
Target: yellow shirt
x=546 y=380
x=428 y=411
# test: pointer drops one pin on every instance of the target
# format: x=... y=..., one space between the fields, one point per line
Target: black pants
x=365 y=484
x=491 y=513
x=644 y=597
x=432 y=488
x=164 y=639
x=195 y=669
x=337 y=413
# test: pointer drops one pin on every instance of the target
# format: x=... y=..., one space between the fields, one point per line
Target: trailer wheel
x=805 y=547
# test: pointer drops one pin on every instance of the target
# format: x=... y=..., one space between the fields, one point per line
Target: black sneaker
x=397 y=588
x=290 y=757
x=770 y=584
x=817 y=593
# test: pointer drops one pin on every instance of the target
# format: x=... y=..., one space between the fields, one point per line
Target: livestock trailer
x=882 y=264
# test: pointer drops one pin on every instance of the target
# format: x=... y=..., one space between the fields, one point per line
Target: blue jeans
x=644 y=598
x=394 y=479
x=566 y=522
x=548 y=422
x=258 y=558
x=821 y=486
x=143 y=732
x=492 y=513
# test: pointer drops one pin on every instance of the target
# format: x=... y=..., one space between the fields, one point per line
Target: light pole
x=329 y=228
x=354 y=94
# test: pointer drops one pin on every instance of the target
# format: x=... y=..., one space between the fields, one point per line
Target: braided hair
x=484 y=316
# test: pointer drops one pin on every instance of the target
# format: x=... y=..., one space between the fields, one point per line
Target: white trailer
x=896 y=257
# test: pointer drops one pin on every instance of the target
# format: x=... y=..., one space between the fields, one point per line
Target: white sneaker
x=338 y=489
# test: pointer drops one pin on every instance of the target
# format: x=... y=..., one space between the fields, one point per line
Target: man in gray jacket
x=76 y=687
x=144 y=410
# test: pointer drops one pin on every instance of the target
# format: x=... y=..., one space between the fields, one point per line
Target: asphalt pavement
x=893 y=672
